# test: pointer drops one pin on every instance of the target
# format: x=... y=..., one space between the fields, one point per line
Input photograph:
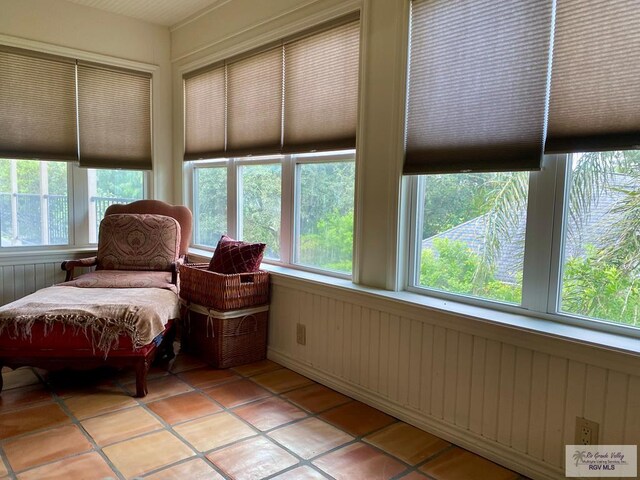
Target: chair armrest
x=175 y=268
x=69 y=265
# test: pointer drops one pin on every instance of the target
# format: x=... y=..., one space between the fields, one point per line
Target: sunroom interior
x=494 y=353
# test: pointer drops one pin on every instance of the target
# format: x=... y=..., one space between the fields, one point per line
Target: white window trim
x=544 y=239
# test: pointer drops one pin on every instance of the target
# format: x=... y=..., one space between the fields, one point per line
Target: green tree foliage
x=57 y=174
x=326 y=215
x=260 y=198
x=451 y=267
x=5 y=176
x=595 y=288
x=601 y=282
x=332 y=246
x=28 y=177
x=210 y=205
x=452 y=200
x=119 y=184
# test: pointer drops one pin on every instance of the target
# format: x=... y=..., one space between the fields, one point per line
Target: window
x=210 y=204
x=324 y=215
x=259 y=205
x=601 y=254
x=34 y=206
x=470 y=234
x=35 y=199
x=526 y=86
x=107 y=187
x=301 y=206
x=95 y=115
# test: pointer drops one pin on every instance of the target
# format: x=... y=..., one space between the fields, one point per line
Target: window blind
x=38 y=113
x=204 y=112
x=321 y=90
x=254 y=104
x=478 y=85
x=297 y=95
x=114 y=115
x=595 y=89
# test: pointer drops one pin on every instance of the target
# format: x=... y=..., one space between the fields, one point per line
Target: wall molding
x=271 y=33
x=494 y=451
x=195 y=16
x=78 y=54
x=28 y=257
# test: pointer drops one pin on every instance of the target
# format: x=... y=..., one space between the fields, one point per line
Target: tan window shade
x=254 y=104
x=38 y=106
x=236 y=109
x=595 y=82
x=114 y=115
x=478 y=82
x=321 y=90
x=204 y=107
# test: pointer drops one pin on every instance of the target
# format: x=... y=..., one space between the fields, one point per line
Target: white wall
x=60 y=24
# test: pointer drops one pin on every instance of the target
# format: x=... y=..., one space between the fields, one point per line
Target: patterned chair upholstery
x=130 y=241
x=147 y=235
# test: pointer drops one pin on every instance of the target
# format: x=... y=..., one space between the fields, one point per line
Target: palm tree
x=579 y=456
x=592 y=175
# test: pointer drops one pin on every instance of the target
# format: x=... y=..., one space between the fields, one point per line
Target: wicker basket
x=222 y=292
x=228 y=339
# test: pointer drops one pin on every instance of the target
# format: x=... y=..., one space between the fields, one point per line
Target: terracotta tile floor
x=258 y=421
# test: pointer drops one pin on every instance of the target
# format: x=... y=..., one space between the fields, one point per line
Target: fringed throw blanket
x=103 y=314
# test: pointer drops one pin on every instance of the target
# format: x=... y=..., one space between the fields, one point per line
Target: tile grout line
x=169 y=428
x=77 y=422
x=259 y=433
x=57 y=400
x=309 y=462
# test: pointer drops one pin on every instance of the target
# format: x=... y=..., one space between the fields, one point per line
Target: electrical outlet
x=586 y=432
x=301 y=334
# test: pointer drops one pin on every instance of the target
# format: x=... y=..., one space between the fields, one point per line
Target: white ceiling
x=160 y=12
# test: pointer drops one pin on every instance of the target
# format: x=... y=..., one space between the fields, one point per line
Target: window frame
x=289 y=206
x=78 y=205
x=545 y=236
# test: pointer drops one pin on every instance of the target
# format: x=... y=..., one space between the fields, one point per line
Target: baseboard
x=512 y=459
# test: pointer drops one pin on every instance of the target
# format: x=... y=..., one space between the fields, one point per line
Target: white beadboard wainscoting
x=24 y=273
x=510 y=395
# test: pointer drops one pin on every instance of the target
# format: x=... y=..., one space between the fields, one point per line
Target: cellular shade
x=478 y=83
x=204 y=107
x=254 y=104
x=595 y=82
x=38 y=106
x=321 y=90
x=114 y=115
x=297 y=95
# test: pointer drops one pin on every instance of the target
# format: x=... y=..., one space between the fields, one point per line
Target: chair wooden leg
x=142 y=367
x=1 y=380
